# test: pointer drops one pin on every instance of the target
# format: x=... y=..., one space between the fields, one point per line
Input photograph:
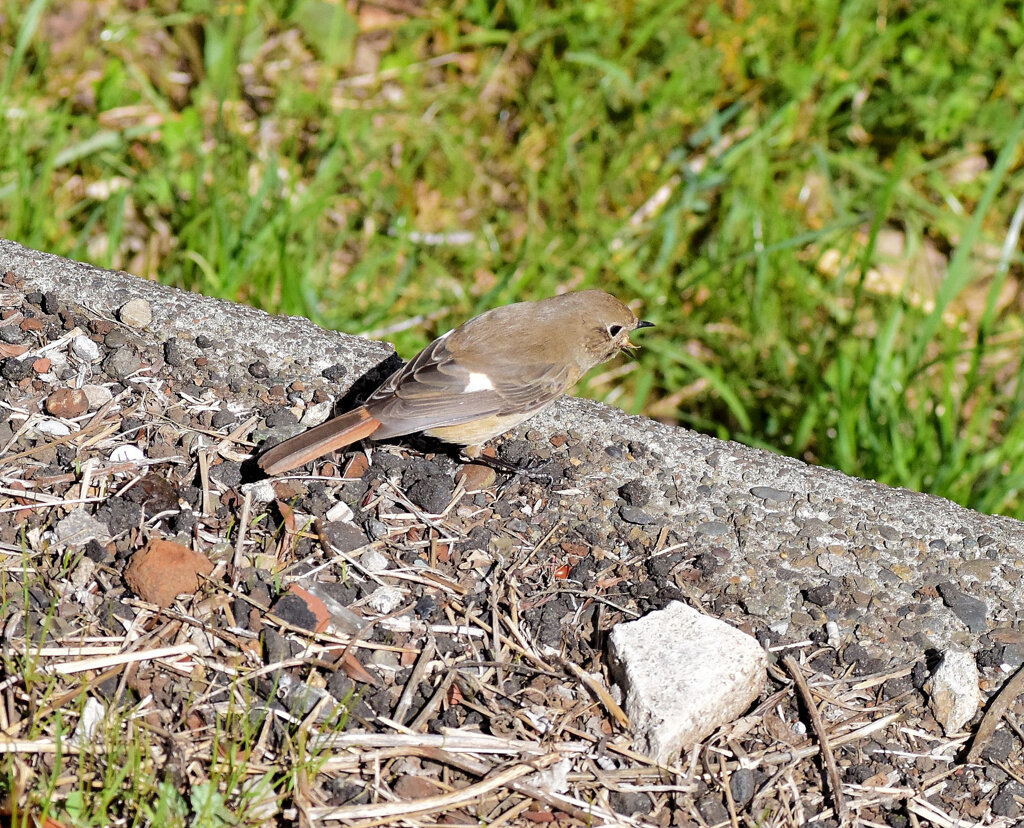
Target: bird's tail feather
x=296 y=451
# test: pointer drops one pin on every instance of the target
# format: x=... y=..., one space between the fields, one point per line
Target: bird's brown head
x=604 y=325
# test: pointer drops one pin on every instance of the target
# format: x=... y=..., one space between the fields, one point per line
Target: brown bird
x=481 y=379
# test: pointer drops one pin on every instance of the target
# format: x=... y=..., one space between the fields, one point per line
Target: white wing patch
x=478 y=382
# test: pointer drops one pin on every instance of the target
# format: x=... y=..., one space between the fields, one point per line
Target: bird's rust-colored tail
x=296 y=451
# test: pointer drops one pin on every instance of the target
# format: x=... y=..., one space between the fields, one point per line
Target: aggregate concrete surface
x=787 y=544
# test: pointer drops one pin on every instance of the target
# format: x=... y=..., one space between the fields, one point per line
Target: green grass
x=289 y=155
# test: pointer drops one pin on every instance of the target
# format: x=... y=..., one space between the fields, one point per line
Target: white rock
x=78 y=528
x=373 y=560
x=85 y=348
x=683 y=674
x=340 y=511
x=262 y=491
x=97 y=395
x=128 y=453
x=954 y=692
x=52 y=428
x=385 y=599
x=84 y=574
x=57 y=359
x=316 y=414
x=138 y=313
x=554 y=778
x=93 y=714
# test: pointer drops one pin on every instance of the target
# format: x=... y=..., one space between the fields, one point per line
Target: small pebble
x=768 y=493
x=281 y=417
x=78 y=528
x=262 y=491
x=122 y=364
x=97 y=395
x=53 y=428
x=84 y=574
x=163 y=570
x=432 y=494
x=713 y=528
x=635 y=493
x=356 y=467
x=15 y=370
x=385 y=599
x=316 y=414
x=84 y=348
x=173 y=354
x=259 y=370
x=223 y=418
x=742 y=785
x=376 y=529
x=117 y=338
x=129 y=453
x=137 y=313
x=631 y=514
x=67 y=403
x=373 y=560
x=476 y=477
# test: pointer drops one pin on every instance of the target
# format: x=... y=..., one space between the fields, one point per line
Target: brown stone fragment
x=41 y=365
x=9 y=350
x=409 y=786
x=163 y=569
x=356 y=467
x=476 y=477
x=155 y=493
x=31 y=324
x=67 y=402
x=576 y=551
x=287 y=489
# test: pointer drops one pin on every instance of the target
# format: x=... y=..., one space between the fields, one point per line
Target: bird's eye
x=614 y=330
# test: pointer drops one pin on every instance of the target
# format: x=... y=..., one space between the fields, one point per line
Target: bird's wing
x=433 y=391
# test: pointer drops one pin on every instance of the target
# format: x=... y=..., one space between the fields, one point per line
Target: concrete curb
x=796 y=547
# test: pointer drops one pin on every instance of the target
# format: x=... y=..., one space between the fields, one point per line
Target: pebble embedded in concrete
x=137 y=313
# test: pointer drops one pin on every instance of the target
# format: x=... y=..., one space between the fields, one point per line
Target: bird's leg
x=475 y=454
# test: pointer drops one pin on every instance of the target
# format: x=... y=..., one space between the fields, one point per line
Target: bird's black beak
x=643 y=323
